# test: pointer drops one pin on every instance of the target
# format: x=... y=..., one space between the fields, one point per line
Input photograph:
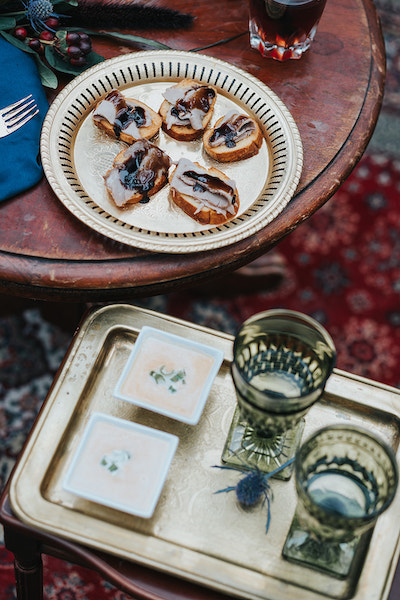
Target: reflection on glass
x=281 y=362
x=345 y=479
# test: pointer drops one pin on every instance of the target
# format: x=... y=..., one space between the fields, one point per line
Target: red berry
x=20 y=33
x=72 y=38
x=84 y=37
x=74 y=52
x=47 y=36
x=35 y=44
x=51 y=23
x=78 y=62
x=85 y=47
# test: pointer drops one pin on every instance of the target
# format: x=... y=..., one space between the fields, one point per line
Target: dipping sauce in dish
x=169 y=375
x=121 y=464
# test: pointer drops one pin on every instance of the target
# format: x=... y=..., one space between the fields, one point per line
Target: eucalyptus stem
x=224 y=41
x=12 y=14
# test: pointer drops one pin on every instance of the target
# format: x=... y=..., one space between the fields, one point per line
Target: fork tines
x=20 y=112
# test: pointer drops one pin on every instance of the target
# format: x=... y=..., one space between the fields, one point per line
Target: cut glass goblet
x=281 y=362
x=345 y=479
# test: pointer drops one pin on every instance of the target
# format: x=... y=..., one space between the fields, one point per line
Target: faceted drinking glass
x=281 y=362
x=283 y=29
x=345 y=479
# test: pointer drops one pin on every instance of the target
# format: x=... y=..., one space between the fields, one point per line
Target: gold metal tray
x=194 y=533
x=76 y=154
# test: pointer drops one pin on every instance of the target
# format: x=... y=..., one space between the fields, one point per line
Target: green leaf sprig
x=54 y=60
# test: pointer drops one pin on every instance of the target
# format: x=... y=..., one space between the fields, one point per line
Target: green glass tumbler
x=281 y=362
x=345 y=479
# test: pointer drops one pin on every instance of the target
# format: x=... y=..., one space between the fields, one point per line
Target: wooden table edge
x=52 y=279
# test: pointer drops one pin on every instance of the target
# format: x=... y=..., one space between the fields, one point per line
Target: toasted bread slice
x=235 y=136
x=138 y=172
x=206 y=195
x=187 y=109
x=126 y=119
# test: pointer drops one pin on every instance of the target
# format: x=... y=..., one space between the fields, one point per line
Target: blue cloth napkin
x=20 y=166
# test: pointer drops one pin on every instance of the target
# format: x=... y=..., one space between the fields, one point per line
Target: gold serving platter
x=76 y=154
x=194 y=533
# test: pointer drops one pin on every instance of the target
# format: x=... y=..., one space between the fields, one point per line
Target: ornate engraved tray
x=76 y=154
x=194 y=533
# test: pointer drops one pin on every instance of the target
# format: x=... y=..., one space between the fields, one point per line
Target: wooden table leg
x=28 y=566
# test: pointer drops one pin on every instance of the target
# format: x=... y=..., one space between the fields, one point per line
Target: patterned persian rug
x=350 y=283
x=342 y=268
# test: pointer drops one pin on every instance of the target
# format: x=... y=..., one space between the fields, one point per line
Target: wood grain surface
x=334 y=93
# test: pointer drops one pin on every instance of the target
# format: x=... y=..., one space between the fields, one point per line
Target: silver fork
x=16 y=115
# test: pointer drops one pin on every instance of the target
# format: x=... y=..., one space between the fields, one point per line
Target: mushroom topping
x=122 y=115
x=234 y=128
x=137 y=173
x=189 y=106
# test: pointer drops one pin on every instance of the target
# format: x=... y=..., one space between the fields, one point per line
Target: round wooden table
x=334 y=94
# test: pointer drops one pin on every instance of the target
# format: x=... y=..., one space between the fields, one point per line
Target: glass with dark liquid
x=283 y=29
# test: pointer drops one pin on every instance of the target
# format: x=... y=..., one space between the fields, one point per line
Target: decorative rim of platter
x=269 y=180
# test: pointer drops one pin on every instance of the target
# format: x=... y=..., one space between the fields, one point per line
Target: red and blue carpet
x=342 y=268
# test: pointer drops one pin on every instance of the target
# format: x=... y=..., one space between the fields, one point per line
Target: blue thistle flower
x=253 y=487
x=37 y=12
x=250 y=489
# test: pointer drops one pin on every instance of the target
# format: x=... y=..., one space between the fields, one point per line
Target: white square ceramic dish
x=121 y=464
x=169 y=374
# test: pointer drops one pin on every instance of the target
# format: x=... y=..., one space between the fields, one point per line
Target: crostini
x=206 y=195
x=138 y=172
x=126 y=119
x=187 y=109
x=235 y=136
